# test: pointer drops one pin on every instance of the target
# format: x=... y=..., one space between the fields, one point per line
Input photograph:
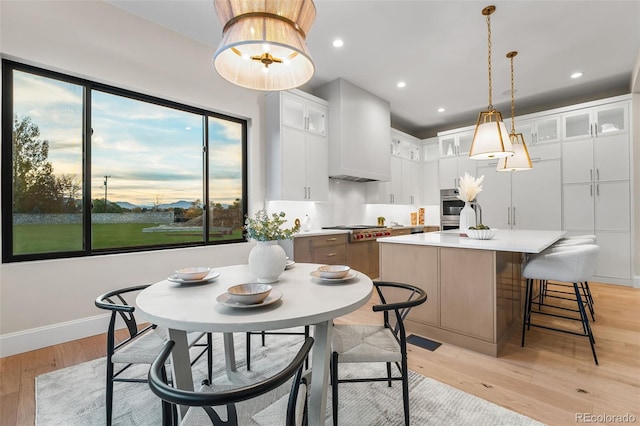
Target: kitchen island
x=474 y=287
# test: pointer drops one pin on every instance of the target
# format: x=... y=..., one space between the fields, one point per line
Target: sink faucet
x=479 y=210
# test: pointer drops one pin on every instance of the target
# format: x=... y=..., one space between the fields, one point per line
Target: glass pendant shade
x=491 y=138
x=520 y=160
x=264 y=43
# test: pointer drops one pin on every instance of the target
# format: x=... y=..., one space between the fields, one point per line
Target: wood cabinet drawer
x=331 y=255
x=328 y=240
x=325 y=249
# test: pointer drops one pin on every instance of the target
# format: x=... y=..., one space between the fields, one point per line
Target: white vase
x=267 y=261
x=467 y=218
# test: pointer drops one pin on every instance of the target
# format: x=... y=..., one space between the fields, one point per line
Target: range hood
x=359 y=133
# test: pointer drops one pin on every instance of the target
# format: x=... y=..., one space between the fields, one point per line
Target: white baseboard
x=36 y=338
x=636 y=281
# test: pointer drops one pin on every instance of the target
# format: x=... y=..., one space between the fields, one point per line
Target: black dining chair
x=238 y=406
x=377 y=343
x=141 y=345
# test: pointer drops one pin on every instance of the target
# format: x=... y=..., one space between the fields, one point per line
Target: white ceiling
x=439 y=48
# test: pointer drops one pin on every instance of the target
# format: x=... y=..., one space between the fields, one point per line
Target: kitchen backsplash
x=347 y=206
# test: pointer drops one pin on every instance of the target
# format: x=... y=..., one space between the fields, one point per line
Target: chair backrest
x=115 y=302
x=228 y=398
x=408 y=295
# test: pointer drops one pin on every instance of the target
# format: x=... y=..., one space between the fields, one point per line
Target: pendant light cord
x=513 y=99
x=489 y=60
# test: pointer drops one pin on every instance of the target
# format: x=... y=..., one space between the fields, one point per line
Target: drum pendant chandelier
x=490 y=139
x=263 y=44
x=520 y=160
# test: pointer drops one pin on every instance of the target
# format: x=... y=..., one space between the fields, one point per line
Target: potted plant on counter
x=267 y=259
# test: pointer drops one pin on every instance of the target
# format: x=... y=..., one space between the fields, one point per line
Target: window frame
x=8 y=67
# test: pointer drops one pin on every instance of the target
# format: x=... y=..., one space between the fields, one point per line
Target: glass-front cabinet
x=456 y=144
x=539 y=131
x=299 y=113
x=596 y=122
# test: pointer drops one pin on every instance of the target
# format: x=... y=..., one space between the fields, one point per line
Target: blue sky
x=151 y=153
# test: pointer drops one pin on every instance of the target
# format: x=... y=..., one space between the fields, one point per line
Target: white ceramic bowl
x=333 y=271
x=249 y=294
x=482 y=234
x=192 y=273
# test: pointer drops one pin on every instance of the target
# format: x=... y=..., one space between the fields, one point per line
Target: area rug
x=75 y=395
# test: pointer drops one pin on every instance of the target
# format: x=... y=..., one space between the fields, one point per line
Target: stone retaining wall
x=76 y=218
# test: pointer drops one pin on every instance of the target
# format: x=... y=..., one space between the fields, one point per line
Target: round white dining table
x=305 y=300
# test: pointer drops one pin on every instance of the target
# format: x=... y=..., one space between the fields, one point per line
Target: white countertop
x=523 y=241
x=314 y=232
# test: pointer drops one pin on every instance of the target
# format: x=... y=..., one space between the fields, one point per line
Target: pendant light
x=263 y=43
x=490 y=139
x=520 y=160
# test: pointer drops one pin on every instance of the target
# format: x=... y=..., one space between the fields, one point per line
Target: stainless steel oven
x=450 y=206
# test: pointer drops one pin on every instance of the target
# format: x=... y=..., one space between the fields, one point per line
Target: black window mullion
x=87 y=199
x=7 y=160
x=205 y=177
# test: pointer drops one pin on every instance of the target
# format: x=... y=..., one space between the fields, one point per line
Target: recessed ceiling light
x=441 y=109
x=338 y=43
x=576 y=74
x=401 y=84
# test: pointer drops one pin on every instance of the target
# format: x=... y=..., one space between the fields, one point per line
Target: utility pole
x=106 y=178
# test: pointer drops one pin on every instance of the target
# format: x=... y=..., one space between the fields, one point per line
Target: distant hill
x=126 y=205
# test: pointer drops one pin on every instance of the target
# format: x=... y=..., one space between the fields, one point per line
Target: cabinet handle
x=598 y=189
x=591 y=175
x=508 y=215
x=591 y=190
x=536 y=159
x=597 y=175
x=595 y=127
x=331 y=254
x=513 y=209
x=332 y=239
x=590 y=129
x=536 y=139
x=309 y=192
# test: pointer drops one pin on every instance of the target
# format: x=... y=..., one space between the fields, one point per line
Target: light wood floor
x=552 y=379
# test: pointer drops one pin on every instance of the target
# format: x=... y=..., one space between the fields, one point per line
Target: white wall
x=43 y=303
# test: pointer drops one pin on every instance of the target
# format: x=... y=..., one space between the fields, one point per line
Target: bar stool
x=572 y=264
x=568 y=242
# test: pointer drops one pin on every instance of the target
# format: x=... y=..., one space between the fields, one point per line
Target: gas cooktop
x=353 y=227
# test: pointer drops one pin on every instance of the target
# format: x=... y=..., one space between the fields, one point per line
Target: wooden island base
x=474 y=296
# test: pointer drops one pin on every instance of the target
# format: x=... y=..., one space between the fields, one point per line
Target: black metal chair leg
x=389 y=374
x=248 y=351
x=405 y=390
x=263 y=340
x=334 y=388
x=209 y=357
x=527 y=308
x=585 y=322
x=109 y=401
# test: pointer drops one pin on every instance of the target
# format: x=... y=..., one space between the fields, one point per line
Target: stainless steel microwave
x=450 y=207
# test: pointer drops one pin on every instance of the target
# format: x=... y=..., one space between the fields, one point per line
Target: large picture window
x=89 y=169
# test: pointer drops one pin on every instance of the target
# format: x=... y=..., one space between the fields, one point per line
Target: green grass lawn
x=31 y=239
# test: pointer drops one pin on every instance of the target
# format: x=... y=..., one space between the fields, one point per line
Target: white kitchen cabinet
x=405 y=185
x=541 y=130
x=454 y=159
x=595 y=122
x=411 y=182
x=530 y=199
x=596 y=183
x=297 y=147
x=430 y=186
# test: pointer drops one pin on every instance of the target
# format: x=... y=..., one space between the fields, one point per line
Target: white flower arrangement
x=469 y=187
